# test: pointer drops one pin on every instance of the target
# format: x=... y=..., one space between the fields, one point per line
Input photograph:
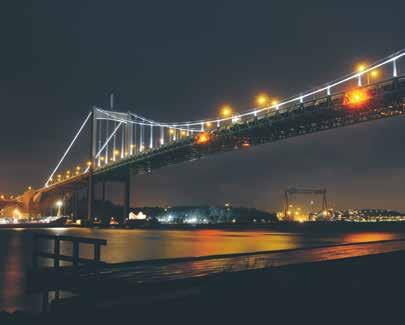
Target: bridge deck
x=387 y=99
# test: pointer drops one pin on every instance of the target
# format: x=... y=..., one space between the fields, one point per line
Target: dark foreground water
x=130 y=245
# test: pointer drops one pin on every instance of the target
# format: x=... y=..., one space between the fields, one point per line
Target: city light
x=361 y=67
x=16 y=214
x=375 y=73
x=262 y=100
x=59 y=204
x=246 y=144
x=203 y=137
x=356 y=98
x=226 y=111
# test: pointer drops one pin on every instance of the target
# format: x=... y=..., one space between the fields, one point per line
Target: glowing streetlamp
x=59 y=205
x=262 y=100
x=360 y=68
x=226 y=111
x=373 y=74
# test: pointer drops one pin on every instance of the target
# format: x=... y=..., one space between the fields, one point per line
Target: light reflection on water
x=129 y=245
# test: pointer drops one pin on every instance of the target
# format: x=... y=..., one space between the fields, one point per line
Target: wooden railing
x=75 y=258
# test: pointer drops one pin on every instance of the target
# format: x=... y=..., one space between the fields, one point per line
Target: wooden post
x=97 y=254
x=45 y=301
x=35 y=253
x=75 y=253
x=56 y=252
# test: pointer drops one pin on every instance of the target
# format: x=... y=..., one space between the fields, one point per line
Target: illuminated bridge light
x=131 y=127
x=246 y=144
x=203 y=137
x=262 y=100
x=356 y=98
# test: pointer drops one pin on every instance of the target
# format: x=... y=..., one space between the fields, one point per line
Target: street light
x=372 y=75
x=59 y=205
x=262 y=100
x=361 y=67
x=226 y=111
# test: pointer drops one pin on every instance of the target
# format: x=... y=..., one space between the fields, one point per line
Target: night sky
x=181 y=60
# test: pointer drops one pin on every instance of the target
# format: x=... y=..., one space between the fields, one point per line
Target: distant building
x=360 y=215
x=139 y=216
x=206 y=215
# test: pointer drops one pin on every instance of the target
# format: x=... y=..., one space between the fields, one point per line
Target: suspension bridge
x=124 y=144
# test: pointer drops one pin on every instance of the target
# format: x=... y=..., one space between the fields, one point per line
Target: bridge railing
x=75 y=259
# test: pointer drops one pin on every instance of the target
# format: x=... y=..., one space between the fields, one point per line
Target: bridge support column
x=102 y=192
x=75 y=205
x=102 y=203
x=90 y=197
x=127 y=195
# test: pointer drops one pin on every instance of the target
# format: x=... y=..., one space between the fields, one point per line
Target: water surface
x=129 y=245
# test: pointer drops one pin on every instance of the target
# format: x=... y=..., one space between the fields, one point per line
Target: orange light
x=262 y=99
x=375 y=73
x=203 y=137
x=246 y=144
x=208 y=124
x=361 y=67
x=183 y=133
x=89 y=163
x=356 y=98
x=171 y=131
x=226 y=111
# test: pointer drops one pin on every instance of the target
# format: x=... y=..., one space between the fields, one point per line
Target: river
x=130 y=245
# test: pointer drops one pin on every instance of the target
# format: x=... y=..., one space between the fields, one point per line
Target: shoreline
x=311 y=227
